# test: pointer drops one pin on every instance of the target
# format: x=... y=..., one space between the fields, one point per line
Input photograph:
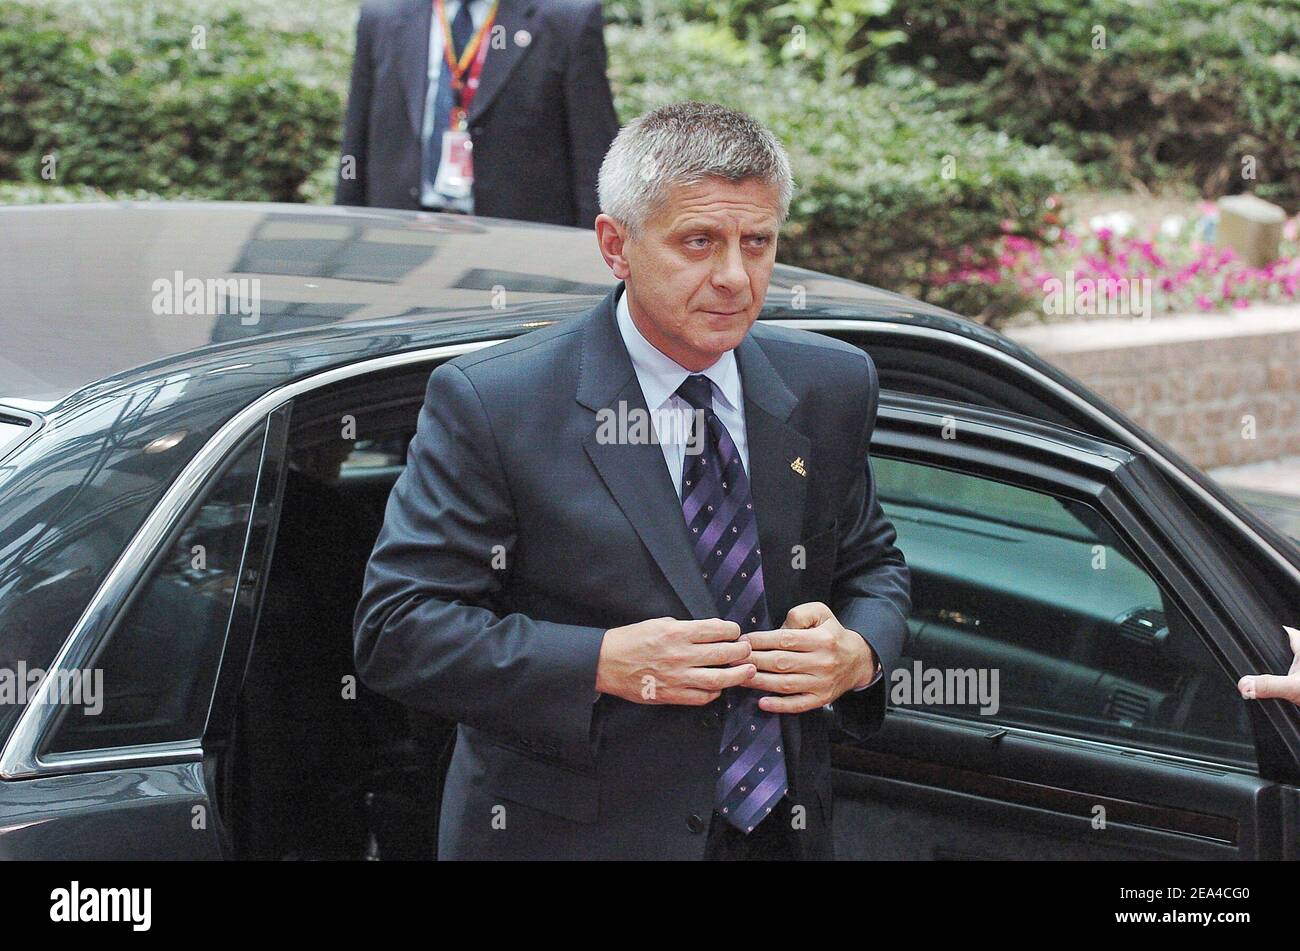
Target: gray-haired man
x=646 y=667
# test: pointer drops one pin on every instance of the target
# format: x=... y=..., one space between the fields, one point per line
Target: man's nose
x=729 y=272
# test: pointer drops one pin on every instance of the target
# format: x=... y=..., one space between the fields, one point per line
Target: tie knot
x=698 y=391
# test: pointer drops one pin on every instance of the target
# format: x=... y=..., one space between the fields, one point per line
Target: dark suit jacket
x=592 y=534
x=541 y=122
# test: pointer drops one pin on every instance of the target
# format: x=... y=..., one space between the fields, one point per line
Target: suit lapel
x=512 y=16
x=634 y=473
x=412 y=28
x=779 y=491
x=413 y=55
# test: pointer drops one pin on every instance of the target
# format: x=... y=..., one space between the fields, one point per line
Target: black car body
x=176 y=513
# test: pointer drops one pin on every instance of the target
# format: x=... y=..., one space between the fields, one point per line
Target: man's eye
x=702 y=242
x=760 y=239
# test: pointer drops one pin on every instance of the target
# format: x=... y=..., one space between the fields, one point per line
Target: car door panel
x=937 y=786
x=158 y=812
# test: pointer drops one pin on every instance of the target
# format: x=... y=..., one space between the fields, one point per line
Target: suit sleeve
x=352 y=191
x=425 y=632
x=589 y=106
x=872 y=591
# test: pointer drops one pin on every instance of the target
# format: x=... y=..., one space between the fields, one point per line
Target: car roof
x=89 y=291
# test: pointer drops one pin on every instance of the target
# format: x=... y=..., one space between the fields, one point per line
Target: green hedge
x=872 y=201
x=1182 y=91
x=1183 y=88
x=141 y=109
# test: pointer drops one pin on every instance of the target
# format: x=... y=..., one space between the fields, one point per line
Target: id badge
x=455 y=177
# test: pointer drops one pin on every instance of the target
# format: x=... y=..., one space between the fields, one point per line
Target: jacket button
x=695 y=823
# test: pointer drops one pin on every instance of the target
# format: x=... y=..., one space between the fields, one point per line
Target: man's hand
x=811 y=660
x=1268 y=686
x=669 y=661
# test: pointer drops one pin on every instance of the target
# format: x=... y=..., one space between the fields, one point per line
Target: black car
x=203 y=408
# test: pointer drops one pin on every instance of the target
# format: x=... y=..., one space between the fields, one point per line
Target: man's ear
x=611 y=238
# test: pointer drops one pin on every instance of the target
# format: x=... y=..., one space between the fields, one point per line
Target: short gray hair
x=685 y=143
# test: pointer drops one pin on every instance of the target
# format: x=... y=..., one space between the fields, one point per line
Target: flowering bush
x=1187 y=271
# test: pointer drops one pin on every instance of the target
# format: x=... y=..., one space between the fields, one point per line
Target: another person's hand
x=664 y=660
x=810 y=661
x=1270 y=686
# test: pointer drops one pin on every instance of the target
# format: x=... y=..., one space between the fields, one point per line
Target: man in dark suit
x=638 y=556
x=540 y=115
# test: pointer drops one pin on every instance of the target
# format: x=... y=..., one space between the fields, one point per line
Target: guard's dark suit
x=541 y=121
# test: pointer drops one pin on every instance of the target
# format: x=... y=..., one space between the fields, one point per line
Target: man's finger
x=718 y=678
x=785 y=639
x=781 y=683
x=1270 y=687
x=781 y=662
x=796 y=703
x=711 y=630
x=807 y=615
x=720 y=653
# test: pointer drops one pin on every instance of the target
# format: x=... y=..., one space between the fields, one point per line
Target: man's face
x=697 y=275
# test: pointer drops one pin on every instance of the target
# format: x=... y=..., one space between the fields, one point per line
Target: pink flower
x=1204 y=302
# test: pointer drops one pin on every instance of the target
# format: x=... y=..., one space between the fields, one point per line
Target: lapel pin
x=798 y=466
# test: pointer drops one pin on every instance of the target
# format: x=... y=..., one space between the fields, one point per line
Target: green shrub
x=1181 y=87
x=141 y=109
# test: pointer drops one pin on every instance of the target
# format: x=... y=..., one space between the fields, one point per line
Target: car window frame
x=256 y=439
x=1123 y=551
x=1108 y=477
x=22 y=756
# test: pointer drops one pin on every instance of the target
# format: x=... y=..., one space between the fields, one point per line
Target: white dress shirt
x=660 y=376
x=478 y=11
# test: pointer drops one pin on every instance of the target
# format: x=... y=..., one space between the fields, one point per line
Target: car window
x=1029 y=610
x=159 y=663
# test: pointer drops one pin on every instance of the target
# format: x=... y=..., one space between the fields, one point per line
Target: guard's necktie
x=719 y=511
x=462 y=31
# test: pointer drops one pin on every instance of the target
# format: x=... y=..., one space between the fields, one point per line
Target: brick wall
x=1194 y=381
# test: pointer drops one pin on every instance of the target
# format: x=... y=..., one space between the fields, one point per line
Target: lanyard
x=471 y=59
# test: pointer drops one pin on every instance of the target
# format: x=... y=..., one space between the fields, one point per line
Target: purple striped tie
x=719 y=512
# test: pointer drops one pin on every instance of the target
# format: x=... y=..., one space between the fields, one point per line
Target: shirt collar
x=660 y=375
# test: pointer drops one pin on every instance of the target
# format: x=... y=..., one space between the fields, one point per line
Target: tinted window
x=1029 y=610
x=160 y=661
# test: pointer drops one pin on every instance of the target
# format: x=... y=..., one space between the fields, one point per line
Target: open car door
x=1068 y=685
